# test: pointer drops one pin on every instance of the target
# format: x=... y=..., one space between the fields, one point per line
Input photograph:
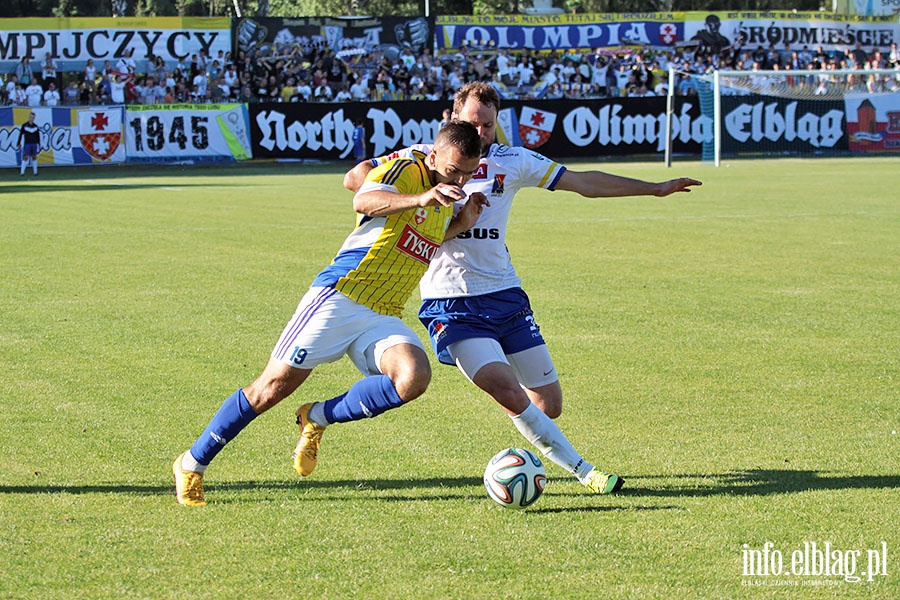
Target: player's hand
x=443 y=194
x=682 y=184
x=471 y=210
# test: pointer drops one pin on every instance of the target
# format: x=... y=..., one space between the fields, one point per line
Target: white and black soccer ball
x=515 y=478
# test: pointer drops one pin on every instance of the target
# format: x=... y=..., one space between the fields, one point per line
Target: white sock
x=317 y=414
x=543 y=433
x=24 y=164
x=34 y=165
x=189 y=463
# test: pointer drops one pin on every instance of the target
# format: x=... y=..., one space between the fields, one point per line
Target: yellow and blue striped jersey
x=382 y=260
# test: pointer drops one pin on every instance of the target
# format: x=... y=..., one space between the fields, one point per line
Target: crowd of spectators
x=314 y=73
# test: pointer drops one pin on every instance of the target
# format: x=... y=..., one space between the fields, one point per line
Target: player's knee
x=263 y=395
x=551 y=409
x=412 y=380
x=513 y=399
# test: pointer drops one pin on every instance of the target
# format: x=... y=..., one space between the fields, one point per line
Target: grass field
x=734 y=352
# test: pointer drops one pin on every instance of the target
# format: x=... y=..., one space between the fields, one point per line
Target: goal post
x=795 y=113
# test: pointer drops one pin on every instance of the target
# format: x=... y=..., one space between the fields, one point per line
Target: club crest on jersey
x=413 y=244
x=480 y=172
x=421 y=215
x=497 y=189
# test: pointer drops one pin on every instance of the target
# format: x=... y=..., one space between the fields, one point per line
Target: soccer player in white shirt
x=478 y=316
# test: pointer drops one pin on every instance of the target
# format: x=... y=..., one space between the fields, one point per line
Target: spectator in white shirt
x=48 y=69
x=151 y=93
x=199 y=82
x=526 y=73
x=304 y=91
x=90 y=73
x=117 y=89
x=359 y=90
x=126 y=64
x=34 y=93
x=503 y=67
x=323 y=93
x=344 y=95
x=17 y=97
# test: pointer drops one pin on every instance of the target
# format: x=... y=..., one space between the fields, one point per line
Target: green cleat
x=188 y=485
x=307 y=451
x=603 y=483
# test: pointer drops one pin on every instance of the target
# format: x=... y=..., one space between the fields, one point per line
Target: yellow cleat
x=188 y=485
x=307 y=451
x=603 y=483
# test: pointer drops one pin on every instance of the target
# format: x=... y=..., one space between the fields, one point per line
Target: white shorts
x=533 y=367
x=327 y=325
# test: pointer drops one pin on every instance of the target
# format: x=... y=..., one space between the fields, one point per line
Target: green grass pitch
x=734 y=352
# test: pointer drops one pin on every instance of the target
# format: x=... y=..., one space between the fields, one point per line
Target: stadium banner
x=559 y=128
x=69 y=136
x=559 y=32
x=74 y=40
x=873 y=122
x=187 y=132
x=764 y=124
x=346 y=36
x=831 y=32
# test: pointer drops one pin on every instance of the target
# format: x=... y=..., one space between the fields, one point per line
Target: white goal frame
x=716 y=79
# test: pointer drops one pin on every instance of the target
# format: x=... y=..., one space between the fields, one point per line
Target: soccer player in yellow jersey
x=405 y=211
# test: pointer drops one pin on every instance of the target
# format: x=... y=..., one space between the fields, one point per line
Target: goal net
x=798 y=113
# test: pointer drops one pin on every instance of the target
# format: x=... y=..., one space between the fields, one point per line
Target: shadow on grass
x=753 y=482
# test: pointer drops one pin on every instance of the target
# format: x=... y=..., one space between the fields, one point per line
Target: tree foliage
x=300 y=8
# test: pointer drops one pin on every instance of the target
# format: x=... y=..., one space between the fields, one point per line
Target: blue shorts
x=505 y=316
x=31 y=149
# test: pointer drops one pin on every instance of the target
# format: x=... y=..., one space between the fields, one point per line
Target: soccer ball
x=515 y=478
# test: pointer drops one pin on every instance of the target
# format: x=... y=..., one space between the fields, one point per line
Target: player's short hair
x=481 y=91
x=460 y=135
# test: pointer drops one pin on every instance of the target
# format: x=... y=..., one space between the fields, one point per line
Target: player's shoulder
x=398 y=168
x=502 y=153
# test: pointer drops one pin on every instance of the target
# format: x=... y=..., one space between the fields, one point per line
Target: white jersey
x=477 y=261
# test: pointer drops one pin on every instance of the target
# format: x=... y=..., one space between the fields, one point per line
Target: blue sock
x=368 y=397
x=235 y=414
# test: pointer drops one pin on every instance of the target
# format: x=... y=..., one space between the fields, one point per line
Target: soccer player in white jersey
x=477 y=314
x=353 y=307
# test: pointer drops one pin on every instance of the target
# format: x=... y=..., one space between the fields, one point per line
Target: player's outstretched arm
x=597 y=184
x=353 y=179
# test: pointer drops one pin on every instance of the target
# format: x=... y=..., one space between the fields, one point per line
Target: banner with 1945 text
x=187 y=132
